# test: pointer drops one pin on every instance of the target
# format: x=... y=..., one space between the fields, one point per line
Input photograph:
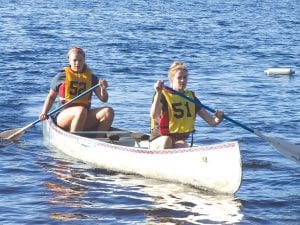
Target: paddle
x=11 y=135
x=286 y=148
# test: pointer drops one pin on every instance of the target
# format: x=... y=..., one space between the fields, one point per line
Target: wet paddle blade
x=286 y=148
x=10 y=134
x=15 y=134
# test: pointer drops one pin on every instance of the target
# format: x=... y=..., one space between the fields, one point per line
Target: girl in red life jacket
x=72 y=81
x=172 y=117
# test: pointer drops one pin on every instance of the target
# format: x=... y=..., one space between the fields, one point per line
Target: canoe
x=215 y=167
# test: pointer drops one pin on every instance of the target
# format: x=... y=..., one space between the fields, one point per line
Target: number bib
x=181 y=113
x=75 y=84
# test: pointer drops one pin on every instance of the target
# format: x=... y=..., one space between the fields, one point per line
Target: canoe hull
x=216 y=168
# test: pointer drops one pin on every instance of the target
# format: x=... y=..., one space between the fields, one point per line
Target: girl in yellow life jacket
x=172 y=117
x=72 y=81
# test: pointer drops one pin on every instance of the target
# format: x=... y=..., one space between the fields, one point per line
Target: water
x=227 y=45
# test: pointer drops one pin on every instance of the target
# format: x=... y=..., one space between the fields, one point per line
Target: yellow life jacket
x=74 y=85
x=179 y=118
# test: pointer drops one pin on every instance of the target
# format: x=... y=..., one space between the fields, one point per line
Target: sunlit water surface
x=226 y=44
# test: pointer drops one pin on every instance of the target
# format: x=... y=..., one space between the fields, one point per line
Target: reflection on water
x=84 y=194
x=65 y=191
x=66 y=216
x=181 y=203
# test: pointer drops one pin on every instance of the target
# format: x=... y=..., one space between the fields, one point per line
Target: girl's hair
x=76 y=50
x=175 y=66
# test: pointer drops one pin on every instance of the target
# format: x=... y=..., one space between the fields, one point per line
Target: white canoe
x=215 y=167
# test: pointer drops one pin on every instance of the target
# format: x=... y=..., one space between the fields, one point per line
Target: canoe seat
x=140 y=136
x=113 y=137
x=136 y=136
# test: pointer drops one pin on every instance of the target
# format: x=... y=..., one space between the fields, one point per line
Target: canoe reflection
x=91 y=194
x=187 y=204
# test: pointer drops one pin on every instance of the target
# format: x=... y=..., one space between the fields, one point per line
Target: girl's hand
x=219 y=114
x=159 y=85
x=103 y=84
x=43 y=116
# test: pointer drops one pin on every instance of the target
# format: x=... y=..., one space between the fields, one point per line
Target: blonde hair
x=76 y=50
x=175 y=66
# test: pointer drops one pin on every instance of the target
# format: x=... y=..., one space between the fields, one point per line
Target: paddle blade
x=286 y=148
x=12 y=135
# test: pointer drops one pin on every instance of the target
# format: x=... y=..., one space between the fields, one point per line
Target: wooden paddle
x=286 y=148
x=15 y=134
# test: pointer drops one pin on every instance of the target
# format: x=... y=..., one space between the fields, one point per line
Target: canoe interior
x=124 y=137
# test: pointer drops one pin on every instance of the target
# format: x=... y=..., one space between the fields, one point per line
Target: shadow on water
x=257 y=164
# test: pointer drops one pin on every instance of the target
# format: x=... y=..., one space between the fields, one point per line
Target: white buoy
x=279 y=71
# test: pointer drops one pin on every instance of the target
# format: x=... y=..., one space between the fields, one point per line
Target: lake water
x=226 y=44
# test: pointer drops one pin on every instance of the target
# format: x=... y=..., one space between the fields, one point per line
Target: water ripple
x=226 y=45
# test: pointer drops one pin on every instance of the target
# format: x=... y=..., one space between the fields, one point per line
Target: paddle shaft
x=53 y=111
x=197 y=102
x=68 y=103
x=286 y=148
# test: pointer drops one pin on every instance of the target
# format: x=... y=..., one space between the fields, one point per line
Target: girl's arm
x=156 y=106
x=48 y=104
x=212 y=120
x=101 y=91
